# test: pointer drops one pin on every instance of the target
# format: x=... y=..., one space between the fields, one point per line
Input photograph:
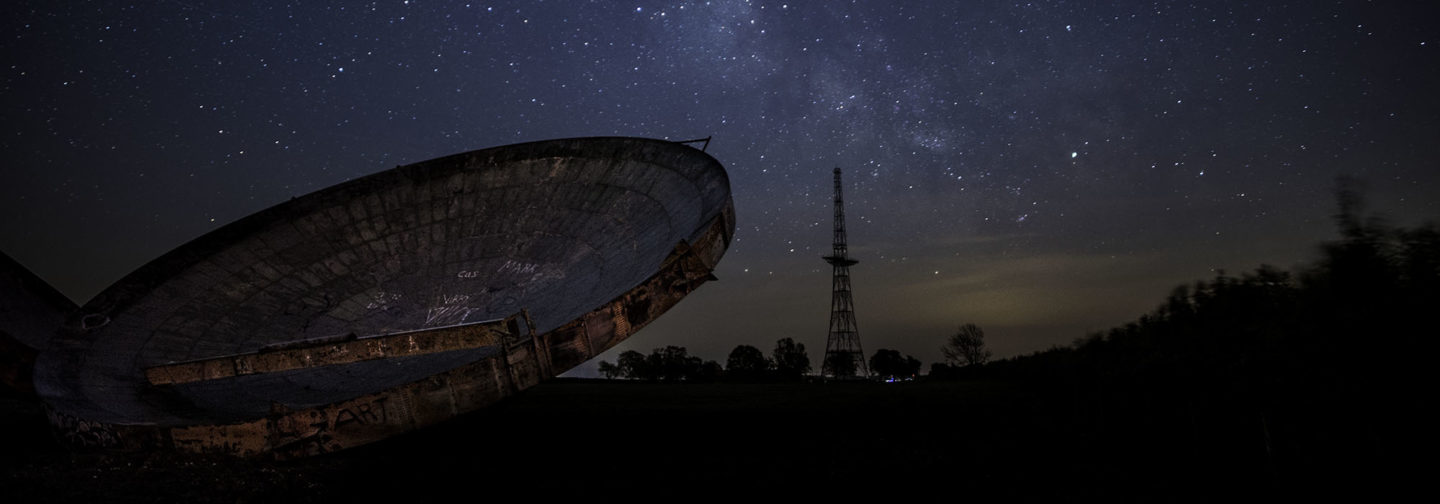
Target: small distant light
x=1074 y=154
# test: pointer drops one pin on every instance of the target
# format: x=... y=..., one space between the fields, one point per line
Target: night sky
x=1041 y=169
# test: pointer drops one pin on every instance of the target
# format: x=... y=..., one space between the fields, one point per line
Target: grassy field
x=611 y=441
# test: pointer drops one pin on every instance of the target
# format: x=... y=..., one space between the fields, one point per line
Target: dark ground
x=612 y=440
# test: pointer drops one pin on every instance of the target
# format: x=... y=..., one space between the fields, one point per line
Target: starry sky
x=1041 y=169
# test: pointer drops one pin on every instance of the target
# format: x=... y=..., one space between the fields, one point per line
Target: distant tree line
x=1304 y=374
x=672 y=363
x=788 y=361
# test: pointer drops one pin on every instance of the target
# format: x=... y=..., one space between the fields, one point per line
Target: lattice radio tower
x=844 y=341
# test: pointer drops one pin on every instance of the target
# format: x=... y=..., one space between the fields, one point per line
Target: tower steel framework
x=844 y=341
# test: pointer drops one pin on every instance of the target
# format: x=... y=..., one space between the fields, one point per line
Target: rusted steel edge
x=522 y=363
x=332 y=351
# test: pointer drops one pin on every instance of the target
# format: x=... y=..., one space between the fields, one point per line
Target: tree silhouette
x=888 y=362
x=747 y=363
x=632 y=365
x=790 y=360
x=708 y=372
x=966 y=347
x=610 y=371
x=673 y=363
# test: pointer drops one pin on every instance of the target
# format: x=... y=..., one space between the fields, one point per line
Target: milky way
x=1041 y=169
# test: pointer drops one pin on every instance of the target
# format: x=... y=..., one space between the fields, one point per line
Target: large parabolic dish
x=392 y=301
